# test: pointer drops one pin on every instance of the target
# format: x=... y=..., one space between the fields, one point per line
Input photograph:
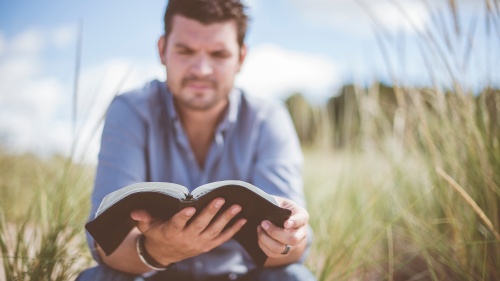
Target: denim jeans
x=292 y=272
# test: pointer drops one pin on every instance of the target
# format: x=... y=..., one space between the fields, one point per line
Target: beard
x=202 y=100
x=212 y=82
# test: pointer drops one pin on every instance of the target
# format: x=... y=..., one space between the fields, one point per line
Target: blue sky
x=310 y=46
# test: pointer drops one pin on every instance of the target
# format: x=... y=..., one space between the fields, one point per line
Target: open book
x=112 y=221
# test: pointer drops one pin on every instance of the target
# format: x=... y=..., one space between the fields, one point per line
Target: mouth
x=198 y=85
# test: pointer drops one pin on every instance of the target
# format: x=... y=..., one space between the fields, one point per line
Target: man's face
x=201 y=61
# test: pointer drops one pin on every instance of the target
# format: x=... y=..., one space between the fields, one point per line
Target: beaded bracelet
x=146 y=258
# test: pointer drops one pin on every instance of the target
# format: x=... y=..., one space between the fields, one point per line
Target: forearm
x=125 y=258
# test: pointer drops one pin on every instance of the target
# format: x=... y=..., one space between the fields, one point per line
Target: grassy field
x=398 y=208
x=411 y=195
x=43 y=208
x=414 y=202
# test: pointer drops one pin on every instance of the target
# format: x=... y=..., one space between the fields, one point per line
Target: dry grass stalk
x=469 y=201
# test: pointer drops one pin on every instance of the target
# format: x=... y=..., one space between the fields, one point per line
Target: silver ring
x=287 y=248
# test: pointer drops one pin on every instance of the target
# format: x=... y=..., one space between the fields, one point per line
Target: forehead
x=194 y=33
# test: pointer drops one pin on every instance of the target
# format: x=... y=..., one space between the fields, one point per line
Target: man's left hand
x=284 y=244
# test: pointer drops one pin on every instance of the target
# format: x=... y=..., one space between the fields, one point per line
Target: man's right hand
x=176 y=240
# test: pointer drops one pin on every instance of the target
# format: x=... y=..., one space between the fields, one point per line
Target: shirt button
x=232 y=276
x=198 y=265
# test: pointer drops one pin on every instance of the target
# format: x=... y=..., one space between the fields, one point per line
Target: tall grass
x=415 y=195
x=43 y=207
x=422 y=203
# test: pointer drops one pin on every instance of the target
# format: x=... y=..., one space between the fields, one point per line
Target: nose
x=202 y=66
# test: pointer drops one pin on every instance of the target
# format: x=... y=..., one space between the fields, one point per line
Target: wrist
x=146 y=258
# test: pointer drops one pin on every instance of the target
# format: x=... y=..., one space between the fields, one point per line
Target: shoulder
x=142 y=102
x=263 y=109
x=269 y=119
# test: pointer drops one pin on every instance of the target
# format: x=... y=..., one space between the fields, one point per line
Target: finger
x=140 y=215
x=216 y=227
x=228 y=233
x=299 y=218
x=142 y=218
x=268 y=245
x=178 y=221
x=201 y=222
x=286 y=236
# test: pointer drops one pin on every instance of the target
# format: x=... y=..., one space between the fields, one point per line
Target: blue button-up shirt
x=143 y=140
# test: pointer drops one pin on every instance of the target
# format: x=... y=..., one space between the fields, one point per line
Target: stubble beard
x=197 y=101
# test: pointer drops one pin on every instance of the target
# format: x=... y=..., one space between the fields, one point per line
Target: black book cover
x=162 y=200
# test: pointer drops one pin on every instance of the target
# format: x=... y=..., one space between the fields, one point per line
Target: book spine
x=189 y=201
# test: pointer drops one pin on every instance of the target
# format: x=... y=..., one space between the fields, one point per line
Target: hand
x=176 y=240
x=273 y=239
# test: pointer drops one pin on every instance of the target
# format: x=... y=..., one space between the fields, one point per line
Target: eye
x=221 y=54
x=184 y=51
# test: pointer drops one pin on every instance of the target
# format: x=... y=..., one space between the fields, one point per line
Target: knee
x=291 y=272
x=102 y=272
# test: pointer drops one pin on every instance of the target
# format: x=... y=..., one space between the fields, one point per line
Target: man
x=194 y=129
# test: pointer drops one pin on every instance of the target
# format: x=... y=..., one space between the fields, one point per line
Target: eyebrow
x=221 y=49
x=182 y=45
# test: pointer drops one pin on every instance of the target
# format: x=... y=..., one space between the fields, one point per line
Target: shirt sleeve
x=122 y=157
x=278 y=167
x=278 y=161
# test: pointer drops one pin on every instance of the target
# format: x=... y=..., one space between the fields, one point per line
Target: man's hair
x=207 y=12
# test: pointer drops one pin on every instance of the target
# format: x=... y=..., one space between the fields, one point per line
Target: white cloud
x=28 y=42
x=2 y=44
x=353 y=16
x=14 y=74
x=31 y=103
x=28 y=102
x=63 y=36
x=29 y=98
x=36 y=107
x=271 y=71
x=34 y=40
x=251 y=3
x=99 y=83
x=358 y=16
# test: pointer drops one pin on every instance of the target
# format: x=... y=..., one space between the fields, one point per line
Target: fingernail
x=235 y=210
x=190 y=212
x=242 y=222
x=265 y=225
x=219 y=203
x=288 y=224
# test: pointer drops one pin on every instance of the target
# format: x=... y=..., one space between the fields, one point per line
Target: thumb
x=142 y=218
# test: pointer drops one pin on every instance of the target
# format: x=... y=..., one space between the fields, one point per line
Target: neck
x=200 y=126
x=202 y=120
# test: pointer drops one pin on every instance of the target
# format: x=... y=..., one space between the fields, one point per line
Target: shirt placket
x=188 y=154
x=213 y=156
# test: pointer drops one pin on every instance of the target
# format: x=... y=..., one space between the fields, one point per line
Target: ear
x=162 y=44
x=243 y=54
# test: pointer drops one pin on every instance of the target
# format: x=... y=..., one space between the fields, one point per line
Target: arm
x=273 y=239
x=279 y=171
x=174 y=240
x=122 y=161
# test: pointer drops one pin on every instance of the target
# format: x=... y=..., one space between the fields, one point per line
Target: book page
x=172 y=189
x=201 y=190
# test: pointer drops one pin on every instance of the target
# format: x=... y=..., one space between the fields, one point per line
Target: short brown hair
x=207 y=12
